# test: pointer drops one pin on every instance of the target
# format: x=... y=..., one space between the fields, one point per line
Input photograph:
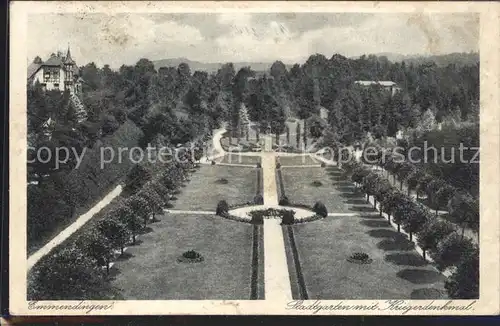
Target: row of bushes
x=75 y=271
x=435 y=236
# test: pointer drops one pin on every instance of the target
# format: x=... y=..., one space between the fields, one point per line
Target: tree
x=406 y=170
x=412 y=180
x=222 y=208
x=465 y=210
x=136 y=178
x=152 y=198
x=109 y=125
x=97 y=246
x=316 y=126
x=114 y=231
x=414 y=219
x=382 y=189
x=358 y=174
x=401 y=205
x=422 y=183
x=444 y=194
x=464 y=282
x=431 y=190
x=140 y=207
x=320 y=209
x=452 y=250
x=433 y=232
x=370 y=183
x=125 y=215
x=68 y=274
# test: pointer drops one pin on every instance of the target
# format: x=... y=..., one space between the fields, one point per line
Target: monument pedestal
x=268 y=143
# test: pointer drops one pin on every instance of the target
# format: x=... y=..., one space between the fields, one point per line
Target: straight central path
x=276 y=276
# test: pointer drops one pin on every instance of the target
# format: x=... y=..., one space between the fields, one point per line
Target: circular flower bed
x=222 y=181
x=359 y=258
x=316 y=183
x=190 y=256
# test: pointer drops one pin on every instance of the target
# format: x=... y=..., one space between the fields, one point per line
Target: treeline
x=131 y=107
x=427 y=89
x=437 y=237
x=79 y=269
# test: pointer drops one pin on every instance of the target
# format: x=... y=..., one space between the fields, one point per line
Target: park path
x=67 y=232
x=276 y=276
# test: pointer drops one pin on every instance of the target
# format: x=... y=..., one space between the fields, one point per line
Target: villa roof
x=32 y=69
x=53 y=61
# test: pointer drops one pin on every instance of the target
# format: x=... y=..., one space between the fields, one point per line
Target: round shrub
x=320 y=209
x=323 y=164
x=258 y=200
x=316 y=183
x=190 y=256
x=284 y=201
x=222 y=208
x=258 y=165
x=213 y=162
x=222 y=181
x=360 y=258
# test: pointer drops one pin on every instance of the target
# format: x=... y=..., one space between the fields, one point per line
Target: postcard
x=237 y=158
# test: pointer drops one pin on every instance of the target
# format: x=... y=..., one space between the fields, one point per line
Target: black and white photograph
x=306 y=161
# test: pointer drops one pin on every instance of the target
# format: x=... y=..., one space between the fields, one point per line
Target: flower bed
x=359 y=258
x=190 y=256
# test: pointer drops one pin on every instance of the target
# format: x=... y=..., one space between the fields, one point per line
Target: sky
x=250 y=37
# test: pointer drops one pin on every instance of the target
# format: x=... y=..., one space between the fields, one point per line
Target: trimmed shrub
x=288 y=217
x=278 y=165
x=323 y=164
x=320 y=209
x=213 y=163
x=316 y=183
x=222 y=181
x=259 y=165
x=258 y=200
x=222 y=208
x=284 y=201
x=190 y=256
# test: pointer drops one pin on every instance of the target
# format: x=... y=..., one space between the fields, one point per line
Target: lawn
x=335 y=192
x=150 y=270
x=205 y=189
x=297 y=160
x=397 y=271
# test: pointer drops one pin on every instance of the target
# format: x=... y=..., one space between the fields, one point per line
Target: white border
x=489 y=177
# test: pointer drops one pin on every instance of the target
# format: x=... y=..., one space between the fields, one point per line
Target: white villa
x=58 y=72
x=388 y=85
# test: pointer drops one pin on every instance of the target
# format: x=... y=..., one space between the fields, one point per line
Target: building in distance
x=387 y=85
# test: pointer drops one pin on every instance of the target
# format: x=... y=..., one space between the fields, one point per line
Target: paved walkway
x=67 y=232
x=276 y=277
